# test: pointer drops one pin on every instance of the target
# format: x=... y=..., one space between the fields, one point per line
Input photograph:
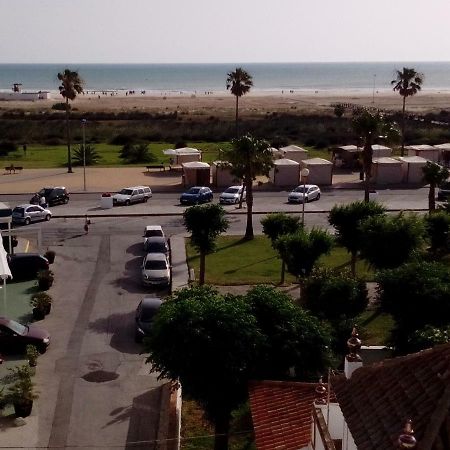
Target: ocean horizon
x=202 y=77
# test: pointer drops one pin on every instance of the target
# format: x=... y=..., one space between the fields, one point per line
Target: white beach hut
x=320 y=171
x=346 y=156
x=387 y=171
x=182 y=155
x=196 y=173
x=294 y=153
x=285 y=172
x=380 y=151
x=444 y=154
x=412 y=169
x=222 y=176
x=425 y=151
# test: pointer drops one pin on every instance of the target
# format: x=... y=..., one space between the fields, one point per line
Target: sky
x=209 y=31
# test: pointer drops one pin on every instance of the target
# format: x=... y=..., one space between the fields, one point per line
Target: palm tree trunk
x=432 y=197
x=403 y=126
x=367 y=162
x=283 y=272
x=69 y=159
x=353 y=264
x=202 y=268
x=237 y=116
x=222 y=429
x=249 y=228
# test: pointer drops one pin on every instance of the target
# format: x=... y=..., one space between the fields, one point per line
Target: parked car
x=196 y=194
x=15 y=335
x=30 y=213
x=156 y=244
x=25 y=266
x=54 y=195
x=153 y=231
x=134 y=194
x=145 y=313
x=156 y=270
x=232 y=195
x=304 y=193
x=444 y=191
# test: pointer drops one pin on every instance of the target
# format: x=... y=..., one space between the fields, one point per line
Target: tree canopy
x=434 y=175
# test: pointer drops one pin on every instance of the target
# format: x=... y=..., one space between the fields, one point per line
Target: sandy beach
x=255 y=103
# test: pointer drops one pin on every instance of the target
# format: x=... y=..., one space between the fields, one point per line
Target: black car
x=14 y=335
x=156 y=244
x=25 y=266
x=55 y=195
x=145 y=313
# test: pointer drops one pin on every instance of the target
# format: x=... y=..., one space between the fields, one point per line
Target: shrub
x=61 y=106
x=437 y=226
x=133 y=154
x=90 y=156
x=7 y=147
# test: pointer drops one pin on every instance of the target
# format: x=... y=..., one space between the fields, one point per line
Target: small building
x=285 y=172
x=381 y=151
x=346 y=156
x=444 y=154
x=179 y=156
x=294 y=153
x=276 y=154
x=196 y=173
x=387 y=171
x=425 y=151
x=320 y=171
x=412 y=169
x=222 y=176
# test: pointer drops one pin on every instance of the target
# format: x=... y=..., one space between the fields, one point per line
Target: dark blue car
x=195 y=195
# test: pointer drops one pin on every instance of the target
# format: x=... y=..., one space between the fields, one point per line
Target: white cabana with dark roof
x=196 y=173
x=412 y=169
x=381 y=151
x=346 y=156
x=444 y=154
x=425 y=151
x=294 y=153
x=285 y=172
x=387 y=171
x=222 y=176
x=320 y=171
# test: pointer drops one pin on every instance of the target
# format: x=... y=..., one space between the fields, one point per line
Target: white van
x=134 y=194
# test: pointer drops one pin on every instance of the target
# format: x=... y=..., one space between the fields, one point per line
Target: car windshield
x=147 y=314
x=193 y=191
x=17 y=327
x=156 y=247
x=232 y=191
x=151 y=233
x=155 y=265
x=300 y=189
x=126 y=192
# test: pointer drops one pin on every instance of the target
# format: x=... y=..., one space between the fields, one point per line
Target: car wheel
x=65 y=201
x=27 y=221
x=127 y=203
x=47 y=217
x=306 y=200
x=145 y=199
x=42 y=349
x=318 y=196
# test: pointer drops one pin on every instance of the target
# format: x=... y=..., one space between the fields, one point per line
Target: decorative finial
x=321 y=393
x=354 y=345
x=407 y=439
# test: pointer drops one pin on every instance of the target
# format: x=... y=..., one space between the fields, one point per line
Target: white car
x=155 y=270
x=304 y=193
x=30 y=213
x=134 y=194
x=152 y=231
x=232 y=195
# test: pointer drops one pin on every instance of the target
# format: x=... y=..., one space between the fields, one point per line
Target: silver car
x=232 y=195
x=155 y=270
x=304 y=193
x=30 y=213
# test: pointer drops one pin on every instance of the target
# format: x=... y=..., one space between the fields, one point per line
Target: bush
x=334 y=296
x=7 y=147
x=61 y=106
x=437 y=226
x=90 y=156
x=133 y=154
x=123 y=139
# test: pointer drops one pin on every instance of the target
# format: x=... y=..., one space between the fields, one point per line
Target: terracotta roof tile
x=282 y=414
x=378 y=399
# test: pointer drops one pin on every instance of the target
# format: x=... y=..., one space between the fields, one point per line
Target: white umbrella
x=170 y=152
x=5 y=271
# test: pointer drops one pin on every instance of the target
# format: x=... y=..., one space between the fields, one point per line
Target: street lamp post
x=304 y=174
x=83 y=125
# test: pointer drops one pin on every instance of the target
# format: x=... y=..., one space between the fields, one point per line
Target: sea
x=210 y=78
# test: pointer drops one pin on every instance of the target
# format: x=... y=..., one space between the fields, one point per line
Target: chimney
x=321 y=393
x=353 y=361
x=406 y=439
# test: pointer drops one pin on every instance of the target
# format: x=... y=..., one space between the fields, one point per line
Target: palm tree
x=71 y=85
x=434 y=175
x=239 y=82
x=408 y=82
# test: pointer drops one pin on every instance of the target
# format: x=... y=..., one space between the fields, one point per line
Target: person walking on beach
x=87 y=222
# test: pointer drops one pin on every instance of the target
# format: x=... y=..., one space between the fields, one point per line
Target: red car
x=14 y=335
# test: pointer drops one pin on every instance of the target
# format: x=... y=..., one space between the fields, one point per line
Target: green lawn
x=252 y=262
x=376 y=327
x=45 y=156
